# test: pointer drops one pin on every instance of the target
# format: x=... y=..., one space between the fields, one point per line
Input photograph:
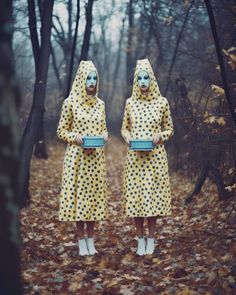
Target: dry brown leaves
x=195 y=247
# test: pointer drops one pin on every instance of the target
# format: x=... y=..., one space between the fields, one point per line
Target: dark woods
x=192 y=52
x=192 y=47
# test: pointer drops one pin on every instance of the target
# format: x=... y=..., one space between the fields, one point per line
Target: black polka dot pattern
x=83 y=191
x=146 y=185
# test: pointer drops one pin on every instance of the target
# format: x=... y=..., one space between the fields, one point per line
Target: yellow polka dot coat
x=146 y=185
x=83 y=190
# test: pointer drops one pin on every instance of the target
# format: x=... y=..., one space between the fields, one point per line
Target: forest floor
x=195 y=247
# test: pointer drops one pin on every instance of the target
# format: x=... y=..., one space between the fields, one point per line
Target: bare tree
x=73 y=50
x=177 y=46
x=130 y=46
x=220 y=59
x=36 y=115
x=154 y=26
x=117 y=65
x=87 y=33
x=10 y=282
x=63 y=36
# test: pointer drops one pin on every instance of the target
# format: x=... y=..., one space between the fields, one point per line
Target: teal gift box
x=92 y=142
x=141 y=144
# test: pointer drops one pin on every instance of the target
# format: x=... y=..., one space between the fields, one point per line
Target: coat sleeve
x=104 y=125
x=65 y=124
x=167 y=124
x=126 y=124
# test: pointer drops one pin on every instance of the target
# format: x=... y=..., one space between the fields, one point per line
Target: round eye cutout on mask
x=143 y=80
x=91 y=80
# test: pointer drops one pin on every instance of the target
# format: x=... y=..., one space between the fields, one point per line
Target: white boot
x=150 y=246
x=141 y=247
x=83 y=250
x=91 y=247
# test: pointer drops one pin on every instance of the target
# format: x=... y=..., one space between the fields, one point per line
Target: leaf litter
x=195 y=247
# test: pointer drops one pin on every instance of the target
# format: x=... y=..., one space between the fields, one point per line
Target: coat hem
x=152 y=215
x=76 y=219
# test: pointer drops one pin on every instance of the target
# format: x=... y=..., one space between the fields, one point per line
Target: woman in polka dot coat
x=146 y=185
x=83 y=192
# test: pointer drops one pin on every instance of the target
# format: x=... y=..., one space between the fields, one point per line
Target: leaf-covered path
x=195 y=248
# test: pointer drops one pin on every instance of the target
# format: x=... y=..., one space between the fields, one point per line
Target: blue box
x=141 y=144
x=92 y=142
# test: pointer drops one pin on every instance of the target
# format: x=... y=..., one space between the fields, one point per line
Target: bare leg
x=81 y=241
x=139 y=221
x=152 y=226
x=90 y=228
x=80 y=229
x=90 y=240
x=150 y=240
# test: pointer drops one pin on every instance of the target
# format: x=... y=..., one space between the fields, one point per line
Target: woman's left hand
x=105 y=136
x=157 y=139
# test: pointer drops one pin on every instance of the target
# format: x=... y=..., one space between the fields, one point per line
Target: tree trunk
x=130 y=49
x=117 y=61
x=37 y=110
x=154 y=29
x=10 y=281
x=177 y=47
x=87 y=33
x=220 y=59
x=36 y=52
x=56 y=69
x=33 y=32
x=40 y=146
x=69 y=9
x=73 y=50
x=40 y=150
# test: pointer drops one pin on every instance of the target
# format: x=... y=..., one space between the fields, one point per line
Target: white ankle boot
x=141 y=247
x=91 y=247
x=150 y=246
x=83 y=250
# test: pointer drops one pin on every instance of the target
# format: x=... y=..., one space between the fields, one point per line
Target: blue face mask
x=143 y=80
x=91 y=80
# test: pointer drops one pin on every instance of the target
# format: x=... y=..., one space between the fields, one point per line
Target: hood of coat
x=153 y=92
x=78 y=90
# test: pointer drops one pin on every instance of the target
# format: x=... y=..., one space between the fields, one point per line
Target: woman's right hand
x=127 y=139
x=78 y=139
